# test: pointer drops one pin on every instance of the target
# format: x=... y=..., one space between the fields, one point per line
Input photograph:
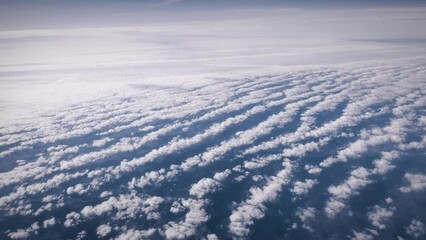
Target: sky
x=212 y=119
x=105 y=44
x=24 y=14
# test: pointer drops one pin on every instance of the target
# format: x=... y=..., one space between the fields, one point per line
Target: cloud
x=417 y=182
x=300 y=188
x=208 y=185
x=133 y=234
x=212 y=236
x=103 y=230
x=383 y=165
x=24 y=233
x=313 y=169
x=333 y=207
x=194 y=218
x=49 y=222
x=19 y=234
x=72 y=219
x=361 y=236
x=203 y=187
x=306 y=213
x=81 y=235
x=416 y=229
x=340 y=193
x=378 y=215
x=77 y=189
x=244 y=124
x=253 y=208
x=394 y=133
x=101 y=142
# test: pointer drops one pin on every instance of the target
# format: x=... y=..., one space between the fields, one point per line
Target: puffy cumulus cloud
x=243 y=138
x=300 y=188
x=333 y=207
x=103 y=230
x=220 y=176
x=383 y=165
x=176 y=207
x=416 y=229
x=77 y=189
x=361 y=236
x=101 y=142
x=313 y=169
x=39 y=187
x=105 y=194
x=300 y=150
x=46 y=207
x=133 y=234
x=81 y=235
x=379 y=215
x=262 y=161
x=393 y=133
x=243 y=217
x=413 y=145
x=148 y=178
x=49 y=222
x=253 y=208
x=204 y=186
x=71 y=219
x=389 y=200
x=24 y=233
x=194 y=218
x=212 y=236
x=417 y=182
x=208 y=185
x=124 y=207
x=306 y=213
x=357 y=180
x=19 y=234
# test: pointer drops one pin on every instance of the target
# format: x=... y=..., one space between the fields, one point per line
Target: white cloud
x=19 y=234
x=253 y=208
x=103 y=230
x=416 y=229
x=212 y=236
x=24 y=233
x=204 y=186
x=81 y=235
x=71 y=219
x=208 y=185
x=77 y=189
x=101 y=142
x=313 y=169
x=300 y=188
x=194 y=218
x=49 y=222
x=393 y=133
x=417 y=182
x=357 y=180
x=176 y=207
x=134 y=234
x=379 y=215
x=333 y=207
x=383 y=165
x=306 y=213
x=124 y=207
x=361 y=236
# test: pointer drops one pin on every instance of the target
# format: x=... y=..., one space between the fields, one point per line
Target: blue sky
x=24 y=14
